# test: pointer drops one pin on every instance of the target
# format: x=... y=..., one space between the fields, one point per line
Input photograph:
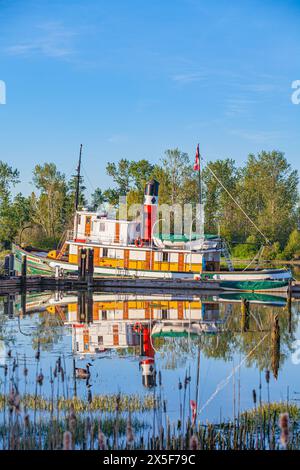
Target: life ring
x=138 y=327
x=139 y=243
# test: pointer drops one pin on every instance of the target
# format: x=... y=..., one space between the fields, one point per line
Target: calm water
x=128 y=337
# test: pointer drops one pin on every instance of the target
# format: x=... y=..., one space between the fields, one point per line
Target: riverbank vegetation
x=271 y=426
x=265 y=186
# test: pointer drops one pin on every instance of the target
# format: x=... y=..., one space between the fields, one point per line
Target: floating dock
x=10 y=284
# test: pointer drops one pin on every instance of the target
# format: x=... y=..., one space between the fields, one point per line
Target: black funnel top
x=152 y=188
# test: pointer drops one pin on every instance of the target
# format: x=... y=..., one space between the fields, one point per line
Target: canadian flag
x=197 y=160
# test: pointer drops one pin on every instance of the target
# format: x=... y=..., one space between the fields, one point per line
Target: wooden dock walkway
x=19 y=283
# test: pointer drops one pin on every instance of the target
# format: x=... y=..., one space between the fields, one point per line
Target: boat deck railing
x=104 y=241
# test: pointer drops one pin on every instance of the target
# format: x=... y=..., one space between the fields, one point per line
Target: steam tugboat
x=132 y=248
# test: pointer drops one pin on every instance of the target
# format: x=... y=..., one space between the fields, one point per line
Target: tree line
x=265 y=187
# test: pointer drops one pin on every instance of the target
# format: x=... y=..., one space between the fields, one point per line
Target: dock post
x=11 y=264
x=23 y=304
x=90 y=306
x=6 y=265
x=90 y=267
x=82 y=265
x=23 y=271
x=9 y=305
x=81 y=307
x=245 y=315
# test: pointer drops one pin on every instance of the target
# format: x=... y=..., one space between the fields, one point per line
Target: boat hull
x=247 y=281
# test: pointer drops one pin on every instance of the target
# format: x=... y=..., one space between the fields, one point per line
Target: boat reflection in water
x=101 y=321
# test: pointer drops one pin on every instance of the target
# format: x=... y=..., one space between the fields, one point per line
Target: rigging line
x=224 y=382
x=87 y=177
x=256 y=257
x=239 y=206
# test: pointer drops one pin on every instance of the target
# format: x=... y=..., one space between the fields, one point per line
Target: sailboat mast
x=200 y=178
x=78 y=177
x=200 y=214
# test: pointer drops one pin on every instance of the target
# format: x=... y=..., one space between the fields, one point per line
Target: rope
x=239 y=206
x=257 y=256
x=224 y=382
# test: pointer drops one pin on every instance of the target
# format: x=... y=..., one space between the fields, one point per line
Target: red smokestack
x=150 y=208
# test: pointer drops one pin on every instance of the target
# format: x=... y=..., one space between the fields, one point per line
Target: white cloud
x=49 y=39
x=186 y=78
x=259 y=137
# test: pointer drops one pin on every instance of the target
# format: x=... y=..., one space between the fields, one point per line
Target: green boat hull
x=255 y=286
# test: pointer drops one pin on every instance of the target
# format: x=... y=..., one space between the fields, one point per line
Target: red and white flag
x=197 y=160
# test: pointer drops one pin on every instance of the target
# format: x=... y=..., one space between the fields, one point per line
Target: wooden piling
x=90 y=305
x=82 y=265
x=245 y=315
x=90 y=267
x=11 y=265
x=23 y=271
x=82 y=307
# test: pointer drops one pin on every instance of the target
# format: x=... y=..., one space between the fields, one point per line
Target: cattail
x=72 y=419
x=284 y=427
x=25 y=371
x=90 y=398
x=38 y=353
x=118 y=400
x=194 y=442
x=159 y=378
x=267 y=376
x=164 y=406
x=67 y=441
x=129 y=433
x=26 y=421
x=101 y=438
x=62 y=374
x=179 y=385
x=14 y=401
x=40 y=378
x=9 y=353
x=59 y=364
x=254 y=397
x=5 y=370
x=88 y=426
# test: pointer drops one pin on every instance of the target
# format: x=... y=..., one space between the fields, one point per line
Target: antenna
x=78 y=180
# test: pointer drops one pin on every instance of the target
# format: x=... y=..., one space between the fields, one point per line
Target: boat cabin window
x=105 y=252
x=165 y=257
x=102 y=227
x=100 y=340
x=104 y=314
x=164 y=313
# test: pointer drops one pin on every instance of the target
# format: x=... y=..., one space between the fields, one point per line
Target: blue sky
x=131 y=78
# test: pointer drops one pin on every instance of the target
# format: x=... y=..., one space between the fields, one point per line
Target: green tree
x=9 y=177
x=49 y=206
x=269 y=195
x=220 y=210
x=71 y=195
x=293 y=245
x=98 y=198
